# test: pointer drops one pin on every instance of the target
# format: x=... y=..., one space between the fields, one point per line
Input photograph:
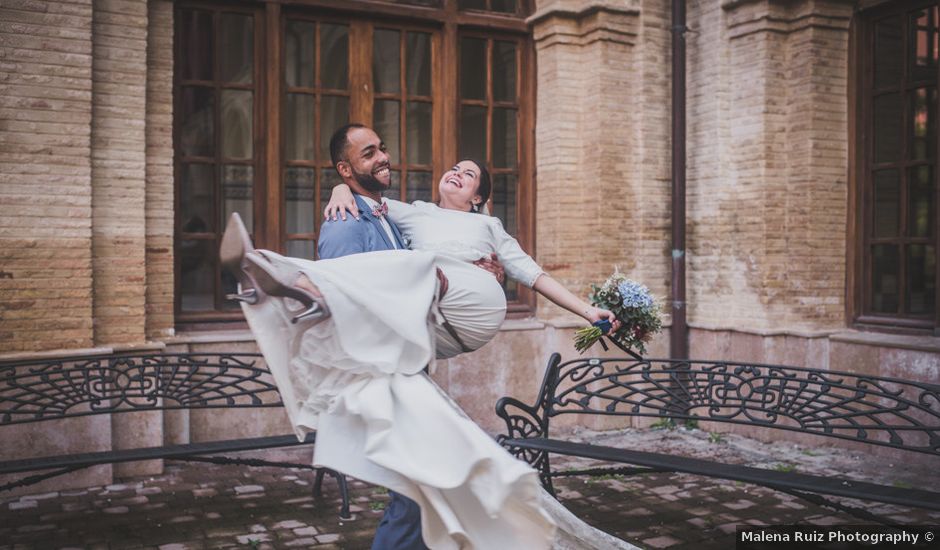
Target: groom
x=360 y=158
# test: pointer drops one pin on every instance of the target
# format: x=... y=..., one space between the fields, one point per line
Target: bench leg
x=343 y=489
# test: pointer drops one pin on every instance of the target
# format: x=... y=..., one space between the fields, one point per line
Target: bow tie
x=380 y=211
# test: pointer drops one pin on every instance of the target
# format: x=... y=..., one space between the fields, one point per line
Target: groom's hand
x=492 y=265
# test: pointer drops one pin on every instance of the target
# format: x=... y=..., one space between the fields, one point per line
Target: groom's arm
x=342 y=238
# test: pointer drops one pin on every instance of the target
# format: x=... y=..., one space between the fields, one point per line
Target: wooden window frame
x=860 y=173
x=446 y=24
x=258 y=132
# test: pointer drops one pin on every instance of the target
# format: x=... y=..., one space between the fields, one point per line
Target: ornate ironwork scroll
x=40 y=390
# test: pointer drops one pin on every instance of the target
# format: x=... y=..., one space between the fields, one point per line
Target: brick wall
x=159 y=170
x=602 y=181
x=117 y=169
x=45 y=175
x=768 y=164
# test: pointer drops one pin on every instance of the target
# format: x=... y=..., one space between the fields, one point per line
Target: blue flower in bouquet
x=634 y=295
x=634 y=306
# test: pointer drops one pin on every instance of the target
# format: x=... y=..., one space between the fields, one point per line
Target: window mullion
x=274 y=74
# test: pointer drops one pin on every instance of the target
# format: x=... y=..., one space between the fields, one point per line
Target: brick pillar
x=159 y=195
x=45 y=175
x=603 y=183
x=118 y=170
x=768 y=173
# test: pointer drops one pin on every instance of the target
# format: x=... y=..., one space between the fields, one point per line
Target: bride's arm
x=341 y=200
x=557 y=293
x=521 y=267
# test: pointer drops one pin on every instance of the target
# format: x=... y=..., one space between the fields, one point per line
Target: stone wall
x=86 y=227
x=45 y=175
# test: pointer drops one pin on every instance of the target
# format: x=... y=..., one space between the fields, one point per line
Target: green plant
x=714 y=437
x=691 y=424
x=809 y=452
x=664 y=424
x=785 y=468
x=377 y=505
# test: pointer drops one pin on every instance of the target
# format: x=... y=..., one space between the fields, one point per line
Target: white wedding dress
x=357 y=379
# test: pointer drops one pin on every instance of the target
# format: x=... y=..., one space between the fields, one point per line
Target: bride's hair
x=485 y=187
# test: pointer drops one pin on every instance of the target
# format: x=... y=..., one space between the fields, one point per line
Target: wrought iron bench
x=878 y=411
x=48 y=390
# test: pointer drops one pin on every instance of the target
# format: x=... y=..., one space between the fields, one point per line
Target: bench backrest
x=37 y=390
x=882 y=411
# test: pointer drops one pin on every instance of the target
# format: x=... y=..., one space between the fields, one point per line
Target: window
x=898 y=234
x=261 y=87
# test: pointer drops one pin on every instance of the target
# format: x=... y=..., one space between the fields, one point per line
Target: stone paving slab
x=202 y=506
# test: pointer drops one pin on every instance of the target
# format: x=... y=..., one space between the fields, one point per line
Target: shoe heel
x=272 y=284
x=236 y=243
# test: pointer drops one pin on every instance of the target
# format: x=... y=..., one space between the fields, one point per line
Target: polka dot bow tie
x=380 y=211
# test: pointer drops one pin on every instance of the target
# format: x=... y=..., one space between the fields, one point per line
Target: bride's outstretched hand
x=595 y=314
x=341 y=200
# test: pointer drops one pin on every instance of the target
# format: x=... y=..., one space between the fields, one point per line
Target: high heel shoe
x=236 y=243
x=271 y=283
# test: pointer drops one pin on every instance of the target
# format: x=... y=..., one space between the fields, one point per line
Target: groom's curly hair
x=339 y=141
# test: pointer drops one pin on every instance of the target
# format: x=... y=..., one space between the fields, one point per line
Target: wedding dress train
x=357 y=379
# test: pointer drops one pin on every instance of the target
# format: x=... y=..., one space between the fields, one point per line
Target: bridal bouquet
x=634 y=306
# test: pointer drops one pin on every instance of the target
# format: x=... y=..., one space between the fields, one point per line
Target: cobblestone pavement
x=202 y=506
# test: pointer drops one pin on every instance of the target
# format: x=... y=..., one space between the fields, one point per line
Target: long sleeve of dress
x=518 y=265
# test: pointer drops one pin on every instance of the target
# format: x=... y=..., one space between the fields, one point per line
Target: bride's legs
x=271 y=282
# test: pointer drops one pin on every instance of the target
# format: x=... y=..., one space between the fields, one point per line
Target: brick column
x=45 y=175
x=602 y=132
x=160 y=190
x=118 y=169
x=768 y=164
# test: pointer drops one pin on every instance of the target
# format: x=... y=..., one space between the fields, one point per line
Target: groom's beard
x=369 y=182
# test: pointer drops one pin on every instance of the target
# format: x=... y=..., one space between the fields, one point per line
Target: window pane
x=419 y=187
x=921 y=202
x=473 y=133
x=418 y=59
x=334 y=112
x=298 y=53
x=887 y=203
x=298 y=127
x=328 y=180
x=236 y=124
x=334 y=56
x=196 y=198
x=924 y=44
x=386 y=121
x=299 y=200
x=921 y=279
x=887 y=131
x=196 y=45
x=505 y=6
x=386 y=61
x=237 y=48
x=197 y=275
x=419 y=132
x=394 y=190
x=301 y=249
x=885 y=266
x=473 y=68
x=888 y=52
x=923 y=123
x=471 y=4
x=196 y=122
x=504 y=138
x=504 y=201
x=504 y=71
x=237 y=187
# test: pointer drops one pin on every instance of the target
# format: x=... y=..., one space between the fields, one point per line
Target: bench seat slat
x=770 y=478
x=149 y=453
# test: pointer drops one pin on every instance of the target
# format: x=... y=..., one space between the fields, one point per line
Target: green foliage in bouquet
x=634 y=306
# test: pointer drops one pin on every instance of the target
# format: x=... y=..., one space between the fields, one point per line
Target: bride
x=349 y=363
